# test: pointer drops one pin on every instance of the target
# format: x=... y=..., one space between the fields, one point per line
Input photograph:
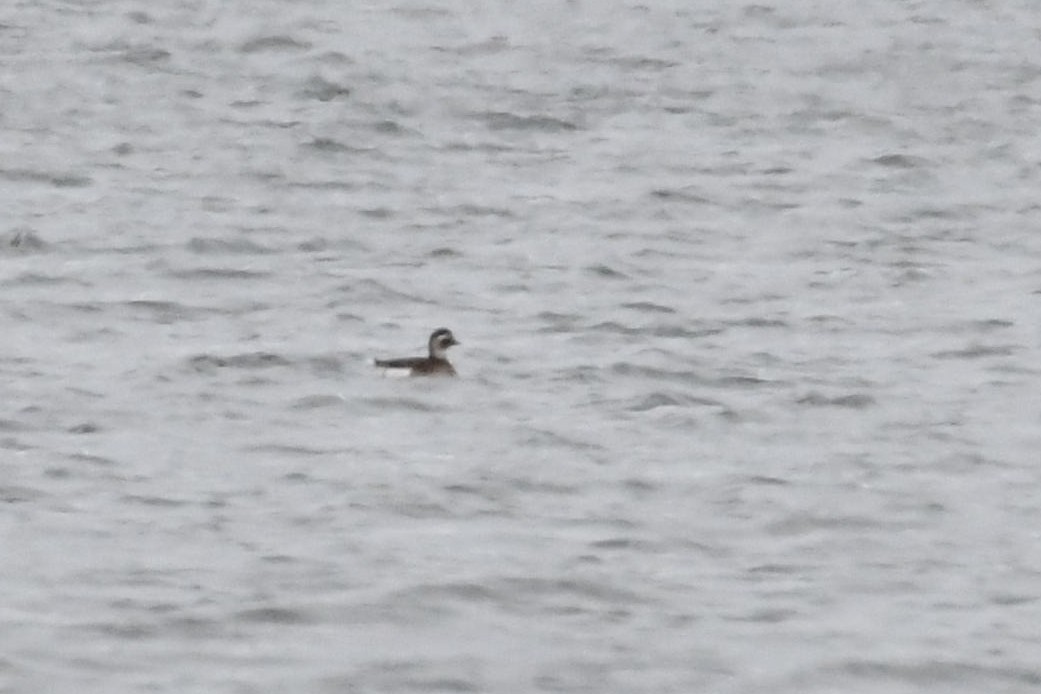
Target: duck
x=434 y=364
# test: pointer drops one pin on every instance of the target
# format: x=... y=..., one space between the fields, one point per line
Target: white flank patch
x=391 y=373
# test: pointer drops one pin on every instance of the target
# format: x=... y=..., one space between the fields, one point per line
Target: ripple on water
x=516 y=595
x=39 y=279
x=901 y=161
x=532 y=436
x=317 y=402
x=648 y=307
x=23 y=241
x=651 y=373
x=321 y=89
x=554 y=322
x=399 y=403
x=579 y=374
x=977 y=351
x=55 y=179
x=92 y=459
x=984 y=326
x=500 y=120
x=853 y=401
x=246 y=360
x=745 y=382
x=606 y=272
x=282 y=616
x=218 y=273
x=758 y=322
x=222 y=246
x=283 y=450
x=673 y=399
x=168 y=312
x=688 y=195
x=329 y=145
x=376 y=292
x=629 y=544
x=683 y=329
x=278 y=43
x=686 y=329
x=155 y=501
x=16 y=494
x=926 y=675
x=143 y=55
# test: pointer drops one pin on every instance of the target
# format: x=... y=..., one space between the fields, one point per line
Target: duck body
x=434 y=364
x=419 y=366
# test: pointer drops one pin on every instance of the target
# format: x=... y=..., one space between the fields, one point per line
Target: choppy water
x=750 y=375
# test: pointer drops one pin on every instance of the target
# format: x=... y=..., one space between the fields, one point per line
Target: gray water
x=749 y=383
